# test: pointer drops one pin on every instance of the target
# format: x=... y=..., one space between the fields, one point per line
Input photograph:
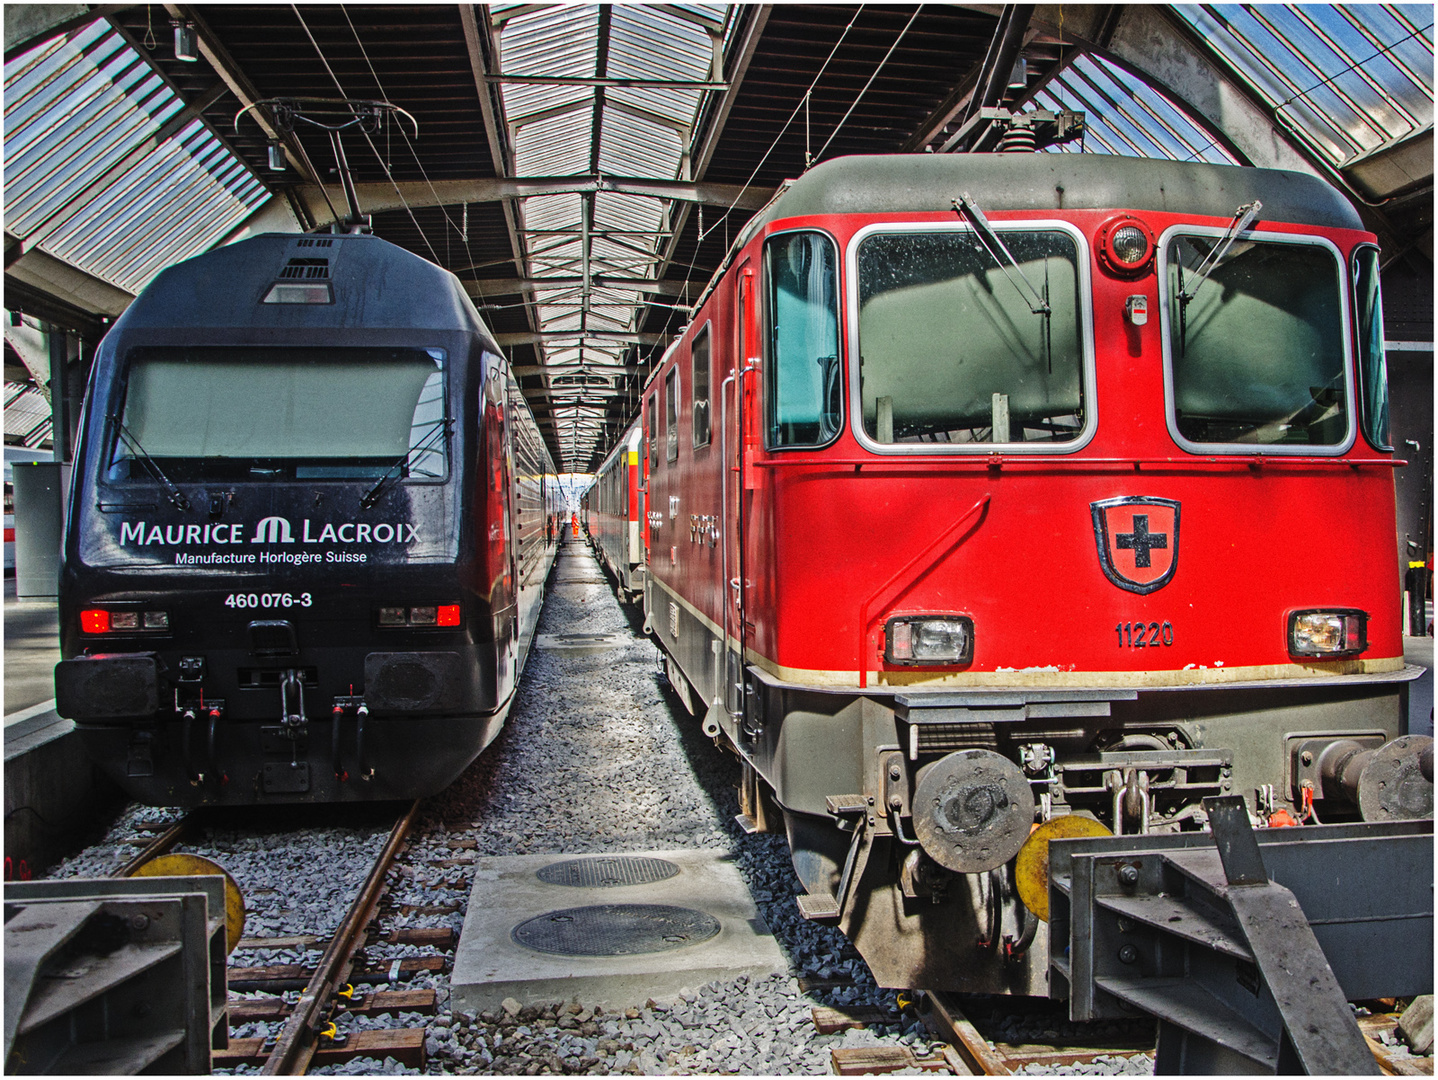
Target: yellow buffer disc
x=175 y=865
x=1031 y=867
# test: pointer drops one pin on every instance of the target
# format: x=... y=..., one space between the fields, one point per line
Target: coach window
x=1255 y=343
x=1372 y=365
x=700 y=386
x=957 y=347
x=671 y=415
x=802 y=403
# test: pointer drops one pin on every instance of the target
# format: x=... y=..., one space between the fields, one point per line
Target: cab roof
x=913 y=183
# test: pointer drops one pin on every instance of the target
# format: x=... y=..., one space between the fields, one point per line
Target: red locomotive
x=992 y=491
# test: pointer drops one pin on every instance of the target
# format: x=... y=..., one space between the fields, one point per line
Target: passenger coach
x=614 y=511
x=993 y=491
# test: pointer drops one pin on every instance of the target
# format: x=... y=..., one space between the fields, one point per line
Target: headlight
x=1327 y=632
x=936 y=639
x=1125 y=246
x=102 y=621
x=424 y=615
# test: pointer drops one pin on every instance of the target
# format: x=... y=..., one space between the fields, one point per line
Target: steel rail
x=296 y=1044
x=158 y=846
x=942 y=1015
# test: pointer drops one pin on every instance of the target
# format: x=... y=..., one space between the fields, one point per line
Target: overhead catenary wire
x=803 y=100
x=784 y=130
x=383 y=164
x=865 y=90
x=464 y=231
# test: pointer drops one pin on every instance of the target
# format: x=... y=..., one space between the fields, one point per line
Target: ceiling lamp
x=186 y=45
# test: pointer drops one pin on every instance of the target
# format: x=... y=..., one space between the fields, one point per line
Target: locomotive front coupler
x=293 y=724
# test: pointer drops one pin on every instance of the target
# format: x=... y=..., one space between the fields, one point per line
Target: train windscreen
x=959 y=343
x=303 y=414
x=1372 y=363
x=1256 y=344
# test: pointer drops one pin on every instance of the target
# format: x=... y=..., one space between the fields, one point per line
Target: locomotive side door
x=738 y=399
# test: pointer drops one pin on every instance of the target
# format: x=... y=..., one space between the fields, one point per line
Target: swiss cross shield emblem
x=1137 y=540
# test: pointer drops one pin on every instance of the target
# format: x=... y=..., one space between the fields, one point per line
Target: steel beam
x=380 y=196
x=1245 y=944
x=635 y=84
x=993 y=74
x=543 y=336
x=478 y=26
x=234 y=77
x=712 y=128
x=481 y=287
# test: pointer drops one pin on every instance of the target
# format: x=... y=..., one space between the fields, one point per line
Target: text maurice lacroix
x=269 y=531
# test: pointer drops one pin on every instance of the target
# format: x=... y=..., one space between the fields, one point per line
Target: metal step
x=818 y=907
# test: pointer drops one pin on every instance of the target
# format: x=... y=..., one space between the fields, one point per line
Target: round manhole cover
x=606 y=872
x=615 y=930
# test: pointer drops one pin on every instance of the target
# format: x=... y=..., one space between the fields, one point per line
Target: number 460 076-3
x=268 y=600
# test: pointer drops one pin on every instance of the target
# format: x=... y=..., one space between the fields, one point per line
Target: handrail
x=865 y=618
x=738 y=378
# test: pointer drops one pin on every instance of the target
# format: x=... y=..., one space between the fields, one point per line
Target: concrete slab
x=490 y=965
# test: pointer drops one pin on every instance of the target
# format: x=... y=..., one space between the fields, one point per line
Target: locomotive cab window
x=802 y=399
x=953 y=348
x=671 y=415
x=1255 y=343
x=651 y=423
x=1372 y=364
x=259 y=413
x=700 y=386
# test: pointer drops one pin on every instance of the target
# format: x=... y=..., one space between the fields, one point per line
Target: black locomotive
x=309 y=530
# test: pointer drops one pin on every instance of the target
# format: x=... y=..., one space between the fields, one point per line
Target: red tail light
x=95 y=622
x=448 y=615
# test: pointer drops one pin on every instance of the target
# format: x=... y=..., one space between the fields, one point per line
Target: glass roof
x=1347 y=78
x=85 y=179
x=1124 y=115
x=27 y=415
x=106 y=169
x=580 y=129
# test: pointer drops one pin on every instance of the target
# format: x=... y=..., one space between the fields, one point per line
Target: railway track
x=341 y=982
x=966 y=1051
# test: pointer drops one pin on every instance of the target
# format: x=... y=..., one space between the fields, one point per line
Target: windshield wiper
x=1243 y=218
x=370 y=497
x=965 y=207
x=174 y=494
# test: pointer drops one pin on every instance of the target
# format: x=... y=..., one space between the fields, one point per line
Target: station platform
x=52 y=791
